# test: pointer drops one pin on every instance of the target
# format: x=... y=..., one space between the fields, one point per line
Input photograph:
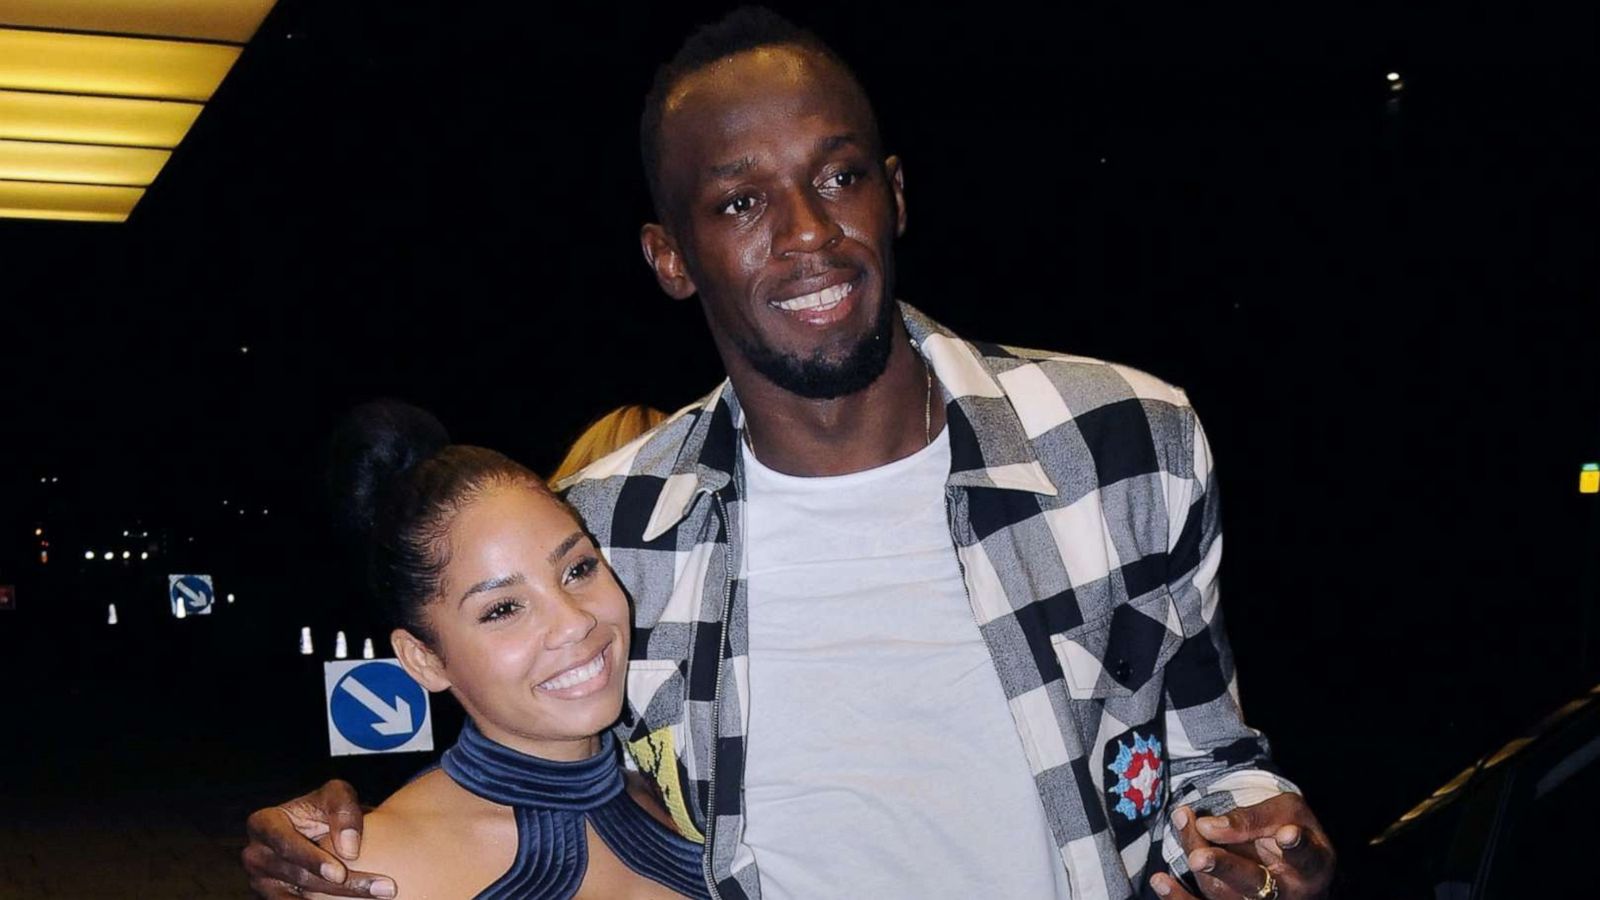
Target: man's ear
x=897 y=183
x=662 y=253
x=420 y=662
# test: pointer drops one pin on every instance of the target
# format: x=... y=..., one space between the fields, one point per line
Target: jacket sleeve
x=1216 y=762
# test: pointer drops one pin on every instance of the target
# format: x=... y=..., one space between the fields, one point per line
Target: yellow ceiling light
x=112 y=66
x=80 y=202
x=80 y=163
x=94 y=120
x=95 y=94
x=233 y=21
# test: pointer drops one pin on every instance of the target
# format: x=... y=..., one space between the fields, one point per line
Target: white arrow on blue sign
x=375 y=707
x=191 y=595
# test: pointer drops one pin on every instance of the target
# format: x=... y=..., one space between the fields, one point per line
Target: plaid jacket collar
x=998 y=456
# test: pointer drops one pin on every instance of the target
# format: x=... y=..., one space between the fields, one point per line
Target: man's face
x=782 y=217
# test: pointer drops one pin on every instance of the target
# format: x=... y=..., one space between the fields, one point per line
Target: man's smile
x=823 y=305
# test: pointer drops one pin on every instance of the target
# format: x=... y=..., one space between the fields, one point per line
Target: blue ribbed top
x=551 y=801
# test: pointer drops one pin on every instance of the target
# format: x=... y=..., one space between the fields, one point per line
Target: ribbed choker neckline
x=510 y=777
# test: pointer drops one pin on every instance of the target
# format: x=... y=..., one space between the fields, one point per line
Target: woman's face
x=531 y=626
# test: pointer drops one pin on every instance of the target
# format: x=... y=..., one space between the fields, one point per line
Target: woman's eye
x=500 y=610
x=738 y=206
x=582 y=569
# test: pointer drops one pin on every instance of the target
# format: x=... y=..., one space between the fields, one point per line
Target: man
x=915 y=617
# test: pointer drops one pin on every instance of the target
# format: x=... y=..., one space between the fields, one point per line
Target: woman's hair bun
x=373 y=446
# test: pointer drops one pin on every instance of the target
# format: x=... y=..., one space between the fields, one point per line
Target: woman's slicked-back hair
x=399 y=483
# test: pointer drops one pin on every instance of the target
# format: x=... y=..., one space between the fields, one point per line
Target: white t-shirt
x=882 y=759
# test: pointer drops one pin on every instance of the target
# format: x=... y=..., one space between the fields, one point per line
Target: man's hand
x=288 y=853
x=1228 y=853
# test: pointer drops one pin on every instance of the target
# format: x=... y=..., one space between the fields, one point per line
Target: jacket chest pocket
x=1119 y=653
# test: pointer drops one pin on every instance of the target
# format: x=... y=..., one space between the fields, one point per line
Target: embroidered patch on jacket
x=1140 y=776
x=657 y=758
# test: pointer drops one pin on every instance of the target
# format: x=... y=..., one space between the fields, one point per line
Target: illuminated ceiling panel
x=80 y=202
x=94 y=120
x=80 y=163
x=95 y=94
x=115 y=66
x=234 y=21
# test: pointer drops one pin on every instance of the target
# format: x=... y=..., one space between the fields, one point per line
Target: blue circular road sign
x=377 y=706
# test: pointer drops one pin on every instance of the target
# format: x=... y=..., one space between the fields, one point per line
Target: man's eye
x=500 y=610
x=583 y=568
x=738 y=206
x=842 y=179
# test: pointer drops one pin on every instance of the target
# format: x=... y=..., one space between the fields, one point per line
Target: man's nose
x=806 y=226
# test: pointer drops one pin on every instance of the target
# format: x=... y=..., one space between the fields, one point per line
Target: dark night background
x=1383 y=305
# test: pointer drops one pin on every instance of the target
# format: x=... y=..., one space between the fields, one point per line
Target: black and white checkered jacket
x=1084 y=515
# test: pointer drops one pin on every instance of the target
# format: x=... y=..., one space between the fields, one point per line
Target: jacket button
x=1120 y=670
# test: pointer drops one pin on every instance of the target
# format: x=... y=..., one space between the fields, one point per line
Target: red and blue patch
x=1140 y=776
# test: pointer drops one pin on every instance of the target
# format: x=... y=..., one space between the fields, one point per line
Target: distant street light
x=145 y=554
x=305 y=641
x=127 y=554
x=230 y=598
x=88 y=554
x=38 y=532
x=340 y=648
x=109 y=556
x=1393 y=76
x=111 y=614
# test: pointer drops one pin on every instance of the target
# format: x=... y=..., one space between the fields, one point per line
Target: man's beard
x=817 y=378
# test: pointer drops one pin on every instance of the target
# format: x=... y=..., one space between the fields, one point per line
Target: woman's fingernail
x=383 y=887
x=349 y=843
x=1180 y=819
x=333 y=872
x=1161 y=886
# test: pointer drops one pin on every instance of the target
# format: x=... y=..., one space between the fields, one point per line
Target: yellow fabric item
x=656 y=754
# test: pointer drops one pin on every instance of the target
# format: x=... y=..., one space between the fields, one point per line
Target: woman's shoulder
x=437 y=840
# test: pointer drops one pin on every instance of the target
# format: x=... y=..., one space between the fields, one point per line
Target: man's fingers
x=291 y=851
x=1307 y=853
x=274 y=879
x=273 y=889
x=1189 y=837
x=338 y=801
x=1169 y=887
x=1223 y=874
x=1237 y=827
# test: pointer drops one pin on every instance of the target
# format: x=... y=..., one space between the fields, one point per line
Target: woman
x=496 y=594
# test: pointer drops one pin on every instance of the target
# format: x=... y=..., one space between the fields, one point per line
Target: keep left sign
x=375 y=707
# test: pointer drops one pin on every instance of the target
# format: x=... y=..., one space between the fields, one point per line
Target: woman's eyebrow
x=492 y=584
x=562 y=548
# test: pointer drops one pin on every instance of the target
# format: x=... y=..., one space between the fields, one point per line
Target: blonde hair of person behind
x=608 y=432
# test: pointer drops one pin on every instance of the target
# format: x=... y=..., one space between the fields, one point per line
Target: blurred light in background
x=145 y=554
x=1589 y=479
x=44 y=557
x=340 y=648
x=1393 y=76
x=109 y=555
x=180 y=609
x=305 y=641
x=38 y=532
x=230 y=598
x=111 y=614
x=88 y=554
x=127 y=554
x=366 y=649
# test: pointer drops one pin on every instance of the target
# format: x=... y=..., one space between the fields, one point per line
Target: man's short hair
x=745 y=28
